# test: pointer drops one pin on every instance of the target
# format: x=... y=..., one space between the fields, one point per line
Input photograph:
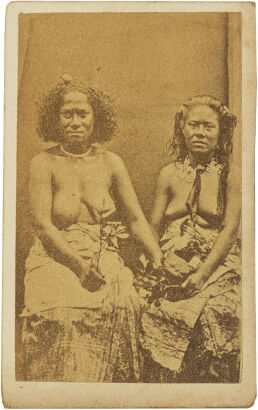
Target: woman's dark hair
x=227 y=123
x=104 y=125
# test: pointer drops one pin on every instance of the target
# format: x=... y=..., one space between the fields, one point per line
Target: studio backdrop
x=149 y=63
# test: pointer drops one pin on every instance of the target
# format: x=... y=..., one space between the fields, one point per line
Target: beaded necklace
x=70 y=154
x=188 y=173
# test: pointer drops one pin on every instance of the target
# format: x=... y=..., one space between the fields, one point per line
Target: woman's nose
x=75 y=120
x=201 y=130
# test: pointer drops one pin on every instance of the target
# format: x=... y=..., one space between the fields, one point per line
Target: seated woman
x=194 y=334
x=80 y=304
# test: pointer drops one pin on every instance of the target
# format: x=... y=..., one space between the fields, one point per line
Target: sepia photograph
x=128 y=236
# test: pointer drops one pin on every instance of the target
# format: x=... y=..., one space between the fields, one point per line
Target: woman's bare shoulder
x=168 y=172
x=168 y=177
x=112 y=159
x=43 y=160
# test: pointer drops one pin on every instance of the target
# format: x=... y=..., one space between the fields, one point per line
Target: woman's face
x=76 y=118
x=201 y=130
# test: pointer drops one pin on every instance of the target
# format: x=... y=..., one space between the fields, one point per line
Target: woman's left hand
x=193 y=283
x=92 y=278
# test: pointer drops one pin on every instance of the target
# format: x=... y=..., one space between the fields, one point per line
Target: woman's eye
x=83 y=114
x=69 y=114
x=66 y=114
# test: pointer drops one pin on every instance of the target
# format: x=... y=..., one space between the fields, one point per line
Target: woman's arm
x=134 y=215
x=226 y=237
x=40 y=193
x=160 y=202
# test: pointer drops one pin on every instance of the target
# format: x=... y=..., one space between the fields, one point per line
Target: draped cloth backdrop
x=149 y=63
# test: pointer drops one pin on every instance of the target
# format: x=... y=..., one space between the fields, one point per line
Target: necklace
x=70 y=154
x=188 y=172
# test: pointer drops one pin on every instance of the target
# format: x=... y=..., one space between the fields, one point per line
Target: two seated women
x=84 y=317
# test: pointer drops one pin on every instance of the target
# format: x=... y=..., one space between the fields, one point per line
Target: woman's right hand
x=177 y=266
x=90 y=276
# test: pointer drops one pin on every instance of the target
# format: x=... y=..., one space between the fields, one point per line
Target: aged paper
x=128 y=270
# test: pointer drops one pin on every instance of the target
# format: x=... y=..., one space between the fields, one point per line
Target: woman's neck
x=199 y=159
x=76 y=149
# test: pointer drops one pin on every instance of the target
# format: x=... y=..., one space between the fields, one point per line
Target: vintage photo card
x=128 y=264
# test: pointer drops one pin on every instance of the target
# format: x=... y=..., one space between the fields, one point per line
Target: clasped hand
x=180 y=268
x=193 y=283
x=90 y=276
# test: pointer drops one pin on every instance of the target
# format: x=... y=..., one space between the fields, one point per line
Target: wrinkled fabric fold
x=169 y=329
x=70 y=333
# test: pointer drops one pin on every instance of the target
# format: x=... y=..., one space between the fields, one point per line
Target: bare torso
x=80 y=187
x=179 y=190
x=65 y=190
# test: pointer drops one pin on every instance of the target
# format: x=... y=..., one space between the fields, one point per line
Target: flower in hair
x=66 y=78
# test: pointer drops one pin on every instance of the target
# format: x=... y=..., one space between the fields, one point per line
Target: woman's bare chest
x=208 y=194
x=80 y=178
x=79 y=188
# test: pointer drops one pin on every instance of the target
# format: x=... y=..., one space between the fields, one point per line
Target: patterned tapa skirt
x=73 y=334
x=195 y=339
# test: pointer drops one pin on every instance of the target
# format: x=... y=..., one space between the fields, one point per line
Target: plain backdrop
x=149 y=63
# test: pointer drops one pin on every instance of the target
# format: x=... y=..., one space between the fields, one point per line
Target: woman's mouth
x=75 y=134
x=201 y=143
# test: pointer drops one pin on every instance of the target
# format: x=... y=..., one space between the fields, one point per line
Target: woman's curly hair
x=227 y=123
x=104 y=125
